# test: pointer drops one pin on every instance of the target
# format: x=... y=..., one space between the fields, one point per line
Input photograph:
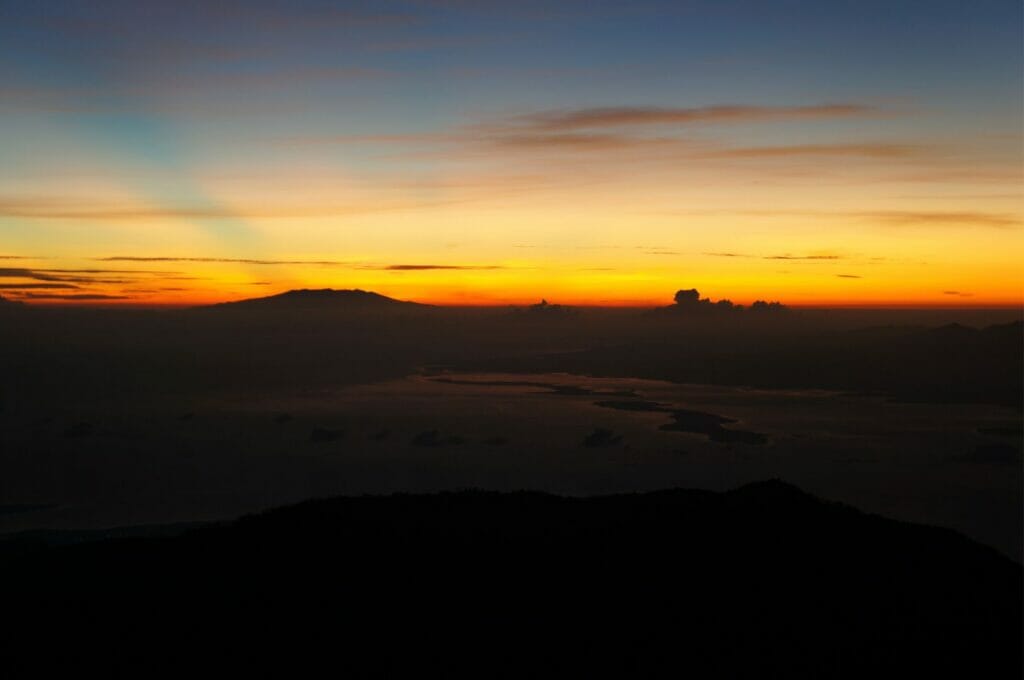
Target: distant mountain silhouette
x=320 y=298
x=763 y=581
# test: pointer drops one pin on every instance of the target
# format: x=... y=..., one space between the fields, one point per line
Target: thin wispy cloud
x=70 y=209
x=317 y=263
x=865 y=150
x=27 y=286
x=801 y=257
x=83 y=276
x=628 y=116
x=571 y=141
x=621 y=128
x=74 y=296
x=777 y=257
x=938 y=218
x=227 y=260
x=908 y=218
x=428 y=267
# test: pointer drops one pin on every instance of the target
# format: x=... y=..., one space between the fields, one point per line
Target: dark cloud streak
x=619 y=116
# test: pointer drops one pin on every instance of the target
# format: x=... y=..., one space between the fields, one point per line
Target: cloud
x=87 y=276
x=75 y=296
x=957 y=293
x=615 y=128
x=20 y=273
x=777 y=257
x=426 y=267
x=25 y=286
x=228 y=260
x=865 y=150
x=889 y=217
x=619 y=128
x=849 y=276
x=318 y=263
x=67 y=209
x=573 y=140
x=802 y=257
x=926 y=218
x=622 y=116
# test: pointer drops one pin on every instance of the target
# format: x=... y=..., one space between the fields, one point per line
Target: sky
x=862 y=153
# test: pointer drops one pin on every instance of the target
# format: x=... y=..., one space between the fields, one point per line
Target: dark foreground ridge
x=764 y=581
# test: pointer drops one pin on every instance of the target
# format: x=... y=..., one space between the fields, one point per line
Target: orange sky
x=838 y=157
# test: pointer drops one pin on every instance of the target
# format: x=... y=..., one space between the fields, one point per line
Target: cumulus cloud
x=689 y=302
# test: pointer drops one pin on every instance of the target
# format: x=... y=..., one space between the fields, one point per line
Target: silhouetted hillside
x=764 y=581
x=321 y=299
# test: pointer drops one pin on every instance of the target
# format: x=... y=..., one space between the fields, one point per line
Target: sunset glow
x=187 y=153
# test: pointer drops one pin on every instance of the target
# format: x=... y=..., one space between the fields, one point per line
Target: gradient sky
x=856 y=153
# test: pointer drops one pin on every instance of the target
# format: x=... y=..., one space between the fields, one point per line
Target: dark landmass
x=996 y=454
x=696 y=422
x=602 y=437
x=948 y=364
x=322 y=435
x=764 y=581
x=436 y=438
x=93 y=404
x=322 y=298
x=1003 y=431
x=553 y=388
x=304 y=340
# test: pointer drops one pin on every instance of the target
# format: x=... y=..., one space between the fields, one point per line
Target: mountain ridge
x=319 y=298
x=762 y=581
